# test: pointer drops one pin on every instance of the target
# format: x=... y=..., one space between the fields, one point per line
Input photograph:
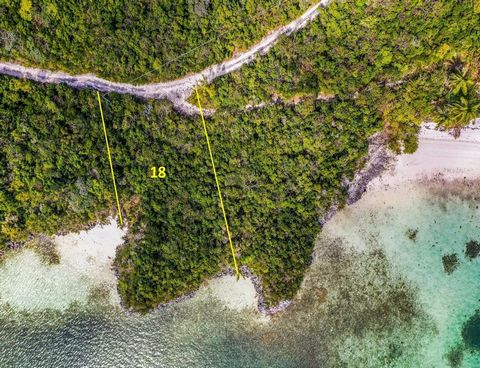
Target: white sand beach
x=438 y=154
x=420 y=210
x=85 y=266
x=86 y=259
x=232 y=293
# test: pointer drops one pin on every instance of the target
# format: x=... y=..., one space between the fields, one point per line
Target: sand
x=232 y=293
x=414 y=194
x=85 y=267
x=439 y=155
x=86 y=257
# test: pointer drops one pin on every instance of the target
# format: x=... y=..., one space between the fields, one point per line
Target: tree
x=25 y=9
x=465 y=110
x=461 y=82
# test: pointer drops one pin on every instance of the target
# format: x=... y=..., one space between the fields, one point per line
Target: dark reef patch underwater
x=471 y=331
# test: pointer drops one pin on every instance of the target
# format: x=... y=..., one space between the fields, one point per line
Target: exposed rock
x=378 y=160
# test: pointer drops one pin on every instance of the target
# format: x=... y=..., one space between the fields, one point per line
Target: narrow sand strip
x=438 y=154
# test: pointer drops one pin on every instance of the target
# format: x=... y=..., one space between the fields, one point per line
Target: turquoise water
x=443 y=219
x=375 y=296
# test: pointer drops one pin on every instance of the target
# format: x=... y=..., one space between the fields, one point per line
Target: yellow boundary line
x=218 y=185
x=110 y=160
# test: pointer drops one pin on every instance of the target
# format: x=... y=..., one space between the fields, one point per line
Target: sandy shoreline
x=84 y=268
x=439 y=155
x=89 y=254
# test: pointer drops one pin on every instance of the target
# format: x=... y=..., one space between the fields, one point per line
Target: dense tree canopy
x=123 y=40
x=361 y=67
x=397 y=54
x=280 y=169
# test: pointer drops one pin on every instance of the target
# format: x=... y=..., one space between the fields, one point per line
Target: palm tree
x=465 y=110
x=461 y=82
x=455 y=64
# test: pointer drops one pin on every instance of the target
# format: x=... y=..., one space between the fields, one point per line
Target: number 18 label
x=158 y=172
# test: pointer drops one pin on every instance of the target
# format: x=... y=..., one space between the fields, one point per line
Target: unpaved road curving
x=178 y=90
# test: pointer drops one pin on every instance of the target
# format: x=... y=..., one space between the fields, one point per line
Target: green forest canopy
x=124 y=40
x=281 y=167
x=357 y=48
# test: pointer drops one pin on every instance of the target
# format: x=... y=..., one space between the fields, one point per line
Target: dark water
x=376 y=296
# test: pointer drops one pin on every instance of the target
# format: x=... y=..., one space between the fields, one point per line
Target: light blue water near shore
x=416 y=227
x=374 y=297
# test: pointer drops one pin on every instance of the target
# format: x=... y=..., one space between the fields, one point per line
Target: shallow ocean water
x=374 y=297
x=443 y=218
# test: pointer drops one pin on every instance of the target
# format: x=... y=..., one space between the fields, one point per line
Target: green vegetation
x=122 y=40
x=280 y=169
x=361 y=67
x=461 y=104
x=55 y=176
x=411 y=61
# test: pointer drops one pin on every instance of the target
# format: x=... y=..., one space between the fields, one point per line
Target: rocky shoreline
x=246 y=273
x=261 y=305
x=379 y=159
